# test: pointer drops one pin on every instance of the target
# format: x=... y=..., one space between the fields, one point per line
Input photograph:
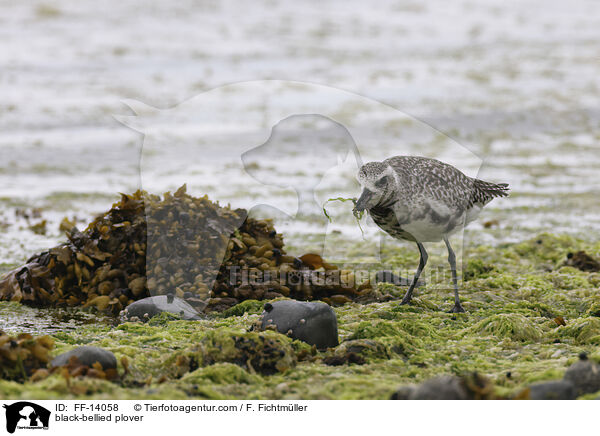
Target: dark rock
x=312 y=322
x=448 y=387
x=440 y=388
x=585 y=376
x=552 y=390
x=344 y=359
x=403 y=393
x=87 y=355
x=582 y=261
x=146 y=308
x=386 y=276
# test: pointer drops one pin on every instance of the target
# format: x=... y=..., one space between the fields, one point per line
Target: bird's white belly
x=425 y=230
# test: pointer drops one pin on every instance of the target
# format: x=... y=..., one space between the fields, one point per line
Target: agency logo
x=26 y=415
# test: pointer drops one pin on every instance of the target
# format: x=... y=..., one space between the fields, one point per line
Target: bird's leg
x=452 y=261
x=385 y=276
x=422 y=263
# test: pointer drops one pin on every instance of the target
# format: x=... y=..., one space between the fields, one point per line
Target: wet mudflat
x=518 y=91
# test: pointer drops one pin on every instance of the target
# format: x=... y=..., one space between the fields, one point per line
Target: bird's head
x=378 y=181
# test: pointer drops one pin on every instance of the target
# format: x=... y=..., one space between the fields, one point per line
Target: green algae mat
x=529 y=316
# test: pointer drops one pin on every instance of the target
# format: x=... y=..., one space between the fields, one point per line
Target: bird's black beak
x=363 y=201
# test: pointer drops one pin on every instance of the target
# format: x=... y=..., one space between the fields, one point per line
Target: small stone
x=552 y=390
x=403 y=393
x=87 y=355
x=583 y=261
x=449 y=387
x=585 y=376
x=350 y=358
x=319 y=327
x=149 y=307
x=440 y=388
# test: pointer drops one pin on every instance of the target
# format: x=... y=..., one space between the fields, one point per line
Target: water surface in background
x=505 y=90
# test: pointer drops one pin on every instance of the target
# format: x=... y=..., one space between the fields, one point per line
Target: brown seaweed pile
x=74 y=368
x=22 y=355
x=181 y=245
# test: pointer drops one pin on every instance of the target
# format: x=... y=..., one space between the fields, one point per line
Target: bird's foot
x=457 y=309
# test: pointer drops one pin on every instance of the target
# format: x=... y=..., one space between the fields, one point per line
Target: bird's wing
x=424 y=178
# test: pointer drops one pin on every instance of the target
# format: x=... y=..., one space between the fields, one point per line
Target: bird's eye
x=381 y=182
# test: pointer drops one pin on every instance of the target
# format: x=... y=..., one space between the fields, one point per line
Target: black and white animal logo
x=26 y=415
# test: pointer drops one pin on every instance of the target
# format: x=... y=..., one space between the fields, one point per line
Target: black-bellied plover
x=423 y=200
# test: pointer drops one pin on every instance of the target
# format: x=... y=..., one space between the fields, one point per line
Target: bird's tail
x=484 y=192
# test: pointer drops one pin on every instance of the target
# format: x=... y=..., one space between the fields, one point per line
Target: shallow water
x=16 y=318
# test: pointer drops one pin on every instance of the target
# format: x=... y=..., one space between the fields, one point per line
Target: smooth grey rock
x=146 y=308
x=403 y=393
x=87 y=355
x=553 y=390
x=448 y=387
x=585 y=376
x=312 y=322
x=440 y=388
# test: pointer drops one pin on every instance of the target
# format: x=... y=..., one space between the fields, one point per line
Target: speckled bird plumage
x=427 y=198
x=423 y=200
